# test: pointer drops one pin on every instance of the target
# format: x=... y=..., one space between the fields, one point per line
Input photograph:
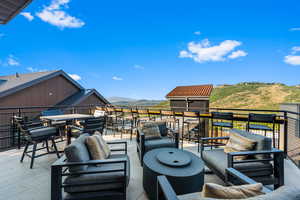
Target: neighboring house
x=48 y=88
x=190 y=98
x=10 y=8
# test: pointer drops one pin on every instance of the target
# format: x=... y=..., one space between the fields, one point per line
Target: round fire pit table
x=183 y=169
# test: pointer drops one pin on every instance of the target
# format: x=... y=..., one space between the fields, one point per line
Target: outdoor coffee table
x=183 y=169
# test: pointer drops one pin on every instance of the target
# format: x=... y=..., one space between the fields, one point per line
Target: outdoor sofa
x=264 y=164
x=88 y=179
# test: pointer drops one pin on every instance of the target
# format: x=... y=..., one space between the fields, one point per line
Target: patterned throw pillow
x=96 y=151
x=237 y=143
x=151 y=131
x=103 y=145
x=212 y=190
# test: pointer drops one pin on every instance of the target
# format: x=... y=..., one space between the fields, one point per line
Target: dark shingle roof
x=10 y=8
x=191 y=91
x=80 y=96
x=13 y=83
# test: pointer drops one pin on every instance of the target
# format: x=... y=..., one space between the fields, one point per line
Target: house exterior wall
x=193 y=105
x=46 y=93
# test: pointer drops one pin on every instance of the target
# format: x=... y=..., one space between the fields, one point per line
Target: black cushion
x=99 y=181
x=223 y=124
x=44 y=132
x=217 y=158
x=77 y=152
x=260 y=127
x=159 y=143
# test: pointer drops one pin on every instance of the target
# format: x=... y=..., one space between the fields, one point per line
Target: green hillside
x=254 y=95
x=251 y=95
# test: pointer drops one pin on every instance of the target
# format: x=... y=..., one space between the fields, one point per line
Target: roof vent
x=17 y=75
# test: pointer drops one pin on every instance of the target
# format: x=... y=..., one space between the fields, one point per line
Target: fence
x=287 y=129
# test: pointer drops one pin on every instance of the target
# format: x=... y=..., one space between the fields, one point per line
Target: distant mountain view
x=123 y=101
x=242 y=95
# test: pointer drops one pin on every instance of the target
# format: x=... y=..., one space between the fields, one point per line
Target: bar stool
x=128 y=121
x=35 y=133
x=221 y=120
x=169 y=117
x=255 y=120
x=142 y=116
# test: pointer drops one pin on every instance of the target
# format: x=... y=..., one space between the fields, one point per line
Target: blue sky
x=143 y=49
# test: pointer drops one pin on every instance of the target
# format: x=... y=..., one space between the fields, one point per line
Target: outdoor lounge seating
x=165 y=190
x=168 y=138
x=87 y=178
x=263 y=164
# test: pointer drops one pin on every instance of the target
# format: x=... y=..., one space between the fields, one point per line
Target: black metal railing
x=287 y=129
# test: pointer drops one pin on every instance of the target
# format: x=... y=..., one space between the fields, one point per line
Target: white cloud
x=116 y=78
x=238 y=53
x=55 y=15
x=27 y=15
x=293 y=59
x=197 y=33
x=31 y=69
x=138 y=67
x=204 y=52
x=295 y=29
x=76 y=77
x=12 y=61
x=295 y=49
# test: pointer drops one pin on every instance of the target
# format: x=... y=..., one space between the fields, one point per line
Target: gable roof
x=14 y=83
x=10 y=8
x=191 y=91
x=80 y=96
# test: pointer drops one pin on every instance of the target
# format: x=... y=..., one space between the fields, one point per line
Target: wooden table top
x=66 y=117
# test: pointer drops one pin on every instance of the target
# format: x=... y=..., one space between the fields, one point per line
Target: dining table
x=68 y=119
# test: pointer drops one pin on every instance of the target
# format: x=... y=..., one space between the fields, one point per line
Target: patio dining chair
x=263 y=122
x=90 y=125
x=128 y=121
x=112 y=119
x=142 y=116
x=169 y=117
x=36 y=133
x=221 y=120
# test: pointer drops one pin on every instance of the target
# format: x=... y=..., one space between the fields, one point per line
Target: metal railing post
x=19 y=132
x=285 y=132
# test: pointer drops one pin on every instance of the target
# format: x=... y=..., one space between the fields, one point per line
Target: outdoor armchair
x=90 y=179
x=263 y=164
x=165 y=190
x=169 y=138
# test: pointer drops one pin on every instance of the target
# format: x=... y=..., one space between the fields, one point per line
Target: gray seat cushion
x=44 y=132
x=262 y=142
x=282 y=193
x=77 y=152
x=99 y=181
x=159 y=143
x=218 y=160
